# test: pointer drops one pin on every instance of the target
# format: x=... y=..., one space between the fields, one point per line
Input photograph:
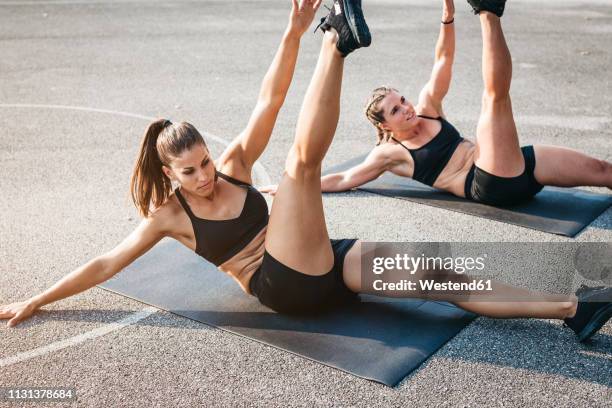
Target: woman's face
x=399 y=114
x=194 y=170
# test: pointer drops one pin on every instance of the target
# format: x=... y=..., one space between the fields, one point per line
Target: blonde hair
x=375 y=114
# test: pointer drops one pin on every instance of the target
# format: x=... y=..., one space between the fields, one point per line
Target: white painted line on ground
x=261 y=176
x=72 y=341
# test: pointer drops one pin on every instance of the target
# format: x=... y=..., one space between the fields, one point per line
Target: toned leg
x=497 y=144
x=297 y=234
x=542 y=306
x=530 y=304
x=563 y=167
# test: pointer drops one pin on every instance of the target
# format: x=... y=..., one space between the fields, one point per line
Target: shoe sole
x=597 y=321
x=476 y=8
x=357 y=24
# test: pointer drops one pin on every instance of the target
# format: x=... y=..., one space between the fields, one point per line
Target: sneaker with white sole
x=346 y=17
x=594 y=310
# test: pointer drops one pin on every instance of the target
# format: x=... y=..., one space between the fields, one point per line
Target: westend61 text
x=432 y=285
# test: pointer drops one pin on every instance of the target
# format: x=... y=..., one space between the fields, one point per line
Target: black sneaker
x=594 y=310
x=347 y=19
x=494 y=6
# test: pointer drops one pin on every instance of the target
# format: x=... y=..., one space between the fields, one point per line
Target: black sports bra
x=219 y=240
x=431 y=158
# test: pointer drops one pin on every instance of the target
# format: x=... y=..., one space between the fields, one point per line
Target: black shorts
x=288 y=291
x=500 y=191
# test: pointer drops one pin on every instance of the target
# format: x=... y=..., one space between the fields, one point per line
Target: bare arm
x=432 y=94
x=386 y=157
x=94 y=272
x=375 y=164
x=238 y=158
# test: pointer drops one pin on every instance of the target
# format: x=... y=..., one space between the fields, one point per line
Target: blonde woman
x=417 y=141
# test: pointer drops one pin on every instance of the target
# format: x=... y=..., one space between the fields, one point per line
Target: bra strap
x=184 y=203
x=233 y=180
x=401 y=144
x=429 y=117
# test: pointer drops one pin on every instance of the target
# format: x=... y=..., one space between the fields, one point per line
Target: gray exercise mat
x=379 y=339
x=562 y=211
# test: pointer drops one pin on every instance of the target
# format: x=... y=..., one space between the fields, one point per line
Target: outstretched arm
x=238 y=158
x=382 y=158
x=356 y=176
x=431 y=96
x=94 y=272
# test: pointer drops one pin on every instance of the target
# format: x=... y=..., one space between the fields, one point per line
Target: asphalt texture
x=78 y=80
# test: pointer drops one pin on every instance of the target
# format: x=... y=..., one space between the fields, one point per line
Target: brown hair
x=162 y=142
x=375 y=114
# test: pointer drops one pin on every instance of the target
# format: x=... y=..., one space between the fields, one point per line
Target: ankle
x=570 y=308
x=330 y=42
x=330 y=37
x=488 y=16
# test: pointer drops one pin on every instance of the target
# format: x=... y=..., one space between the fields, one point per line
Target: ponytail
x=382 y=135
x=149 y=184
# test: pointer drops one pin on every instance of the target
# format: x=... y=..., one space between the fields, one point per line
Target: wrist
x=35 y=301
x=292 y=34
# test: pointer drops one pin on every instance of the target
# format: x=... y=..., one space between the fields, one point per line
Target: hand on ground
x=16 y=312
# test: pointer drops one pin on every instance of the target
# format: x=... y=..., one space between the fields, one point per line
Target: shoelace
x=322 y=18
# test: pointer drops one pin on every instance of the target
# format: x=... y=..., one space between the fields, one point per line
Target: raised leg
x=297 y=234
x=497 y=145
x=563 y=167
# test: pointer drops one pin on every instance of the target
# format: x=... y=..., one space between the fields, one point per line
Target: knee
x=298 y=166
x=600 y=168
x=493 y=97
x=603 y=167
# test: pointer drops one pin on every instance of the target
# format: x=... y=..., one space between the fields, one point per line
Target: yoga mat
x=561 y=211
x=379 y=339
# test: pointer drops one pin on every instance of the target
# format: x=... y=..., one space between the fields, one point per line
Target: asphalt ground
x=78 y=81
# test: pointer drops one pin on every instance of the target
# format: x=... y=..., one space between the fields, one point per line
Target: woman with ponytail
x=214 y=195
x=416 y=141
x=284 y=258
